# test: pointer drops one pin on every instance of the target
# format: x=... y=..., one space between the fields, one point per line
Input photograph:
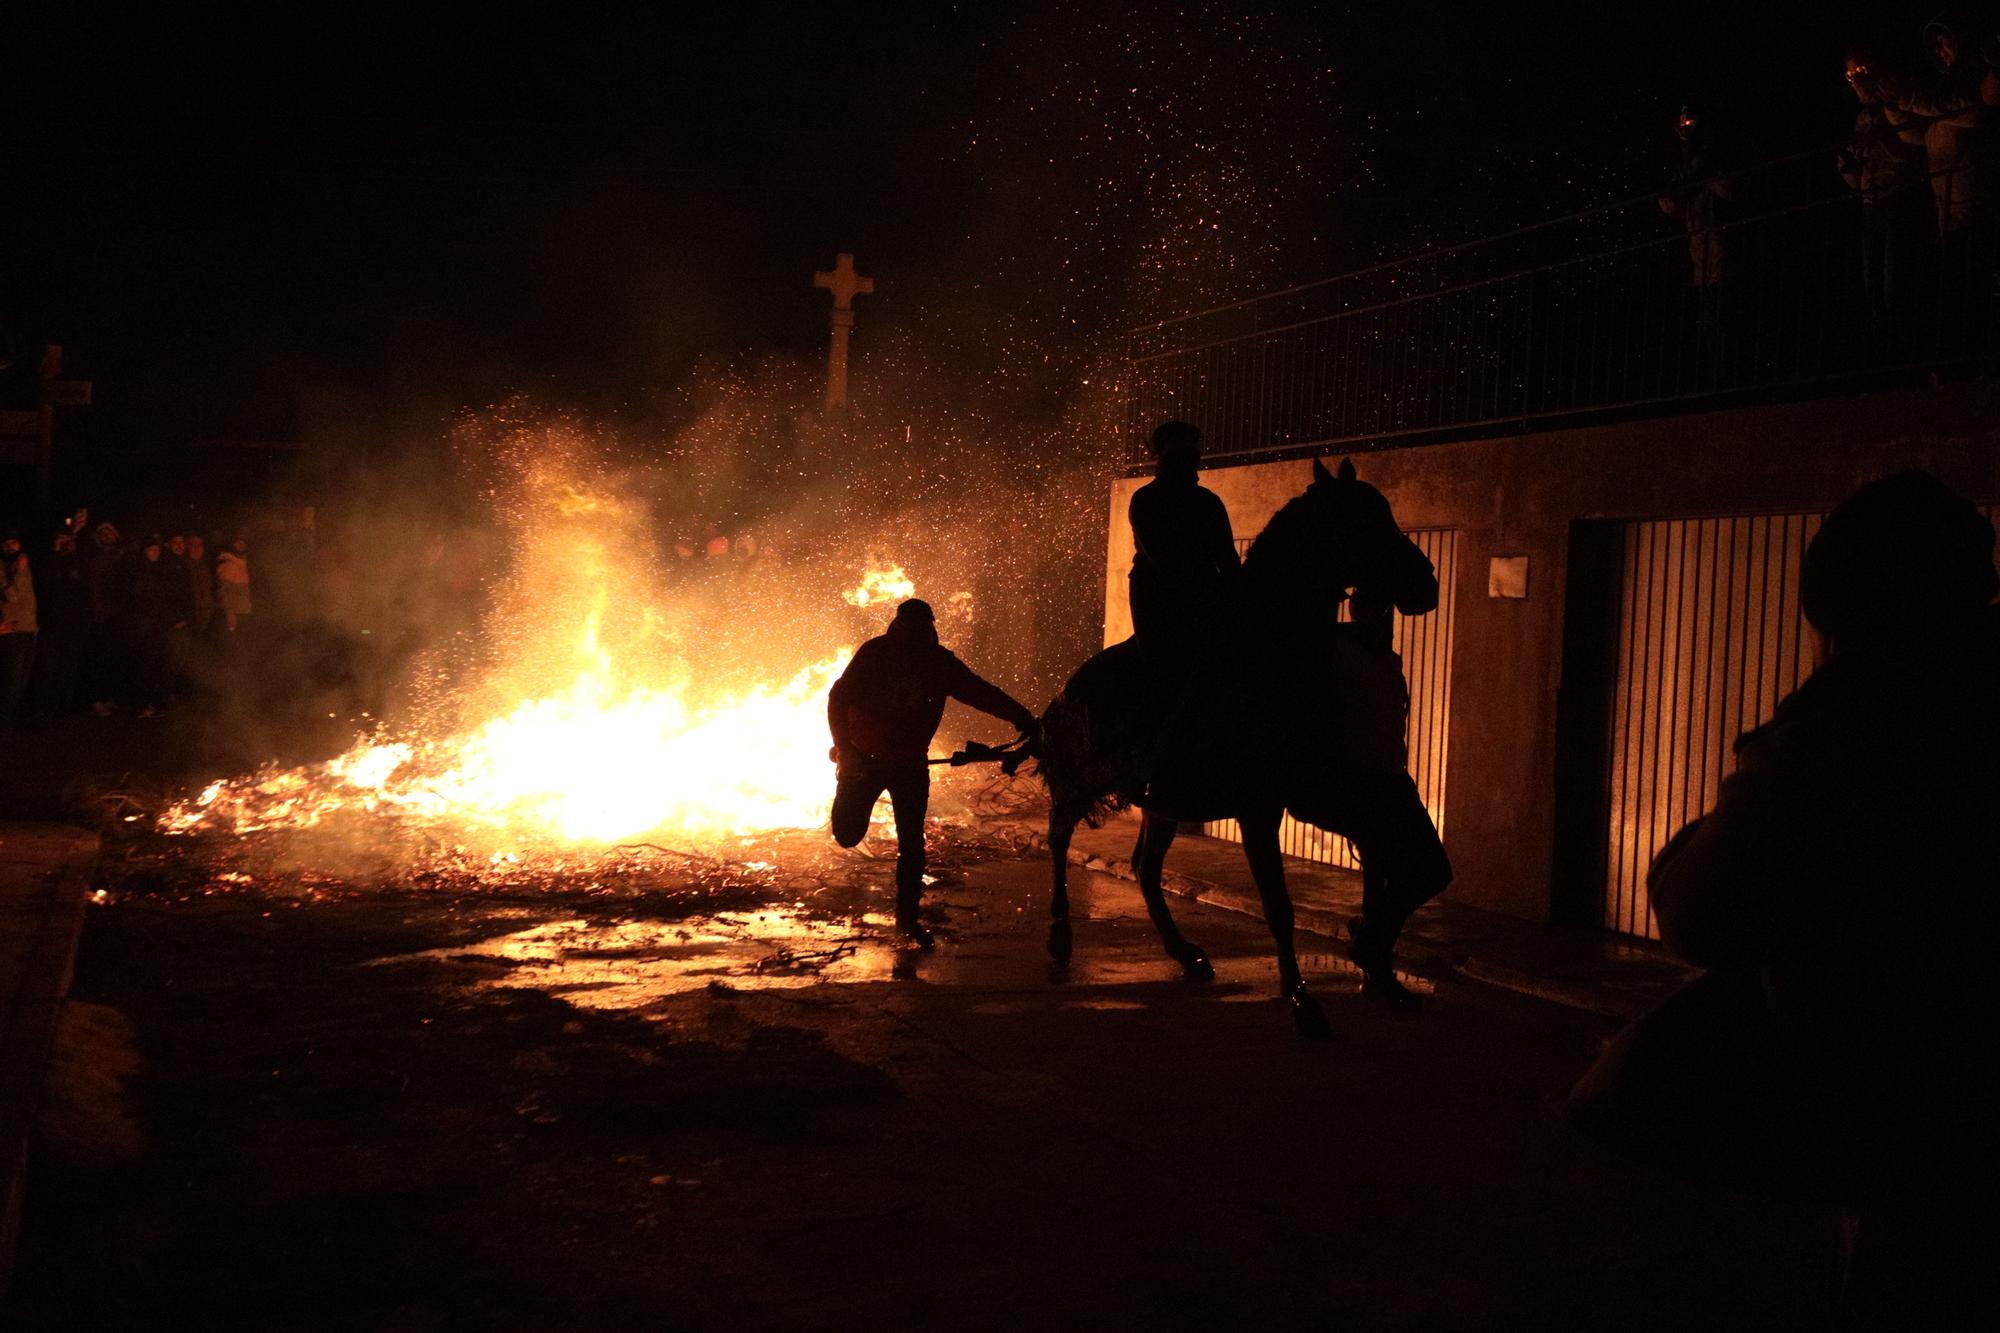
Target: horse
x=1244 y=738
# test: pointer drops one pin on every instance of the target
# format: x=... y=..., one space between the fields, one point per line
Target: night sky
x=261 y=222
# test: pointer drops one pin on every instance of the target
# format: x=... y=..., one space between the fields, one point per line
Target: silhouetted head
x=1875 y=75
x=1177 y=446
x=914 y=621
x=1947 y=37
x=1903 y=559
x=1689 y=123
x=196 y=548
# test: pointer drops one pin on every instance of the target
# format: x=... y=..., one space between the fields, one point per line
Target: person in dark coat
x=883 y=712
x=66 y=628
x=103 y=557
x=1844 y=895
x=1184 y=554
x=19 y=627
x=145 y=606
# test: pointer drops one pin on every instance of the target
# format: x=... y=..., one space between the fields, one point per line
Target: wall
x=1518 y=495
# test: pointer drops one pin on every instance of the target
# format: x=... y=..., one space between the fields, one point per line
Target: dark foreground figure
x=1842 y=896
x=883 y=712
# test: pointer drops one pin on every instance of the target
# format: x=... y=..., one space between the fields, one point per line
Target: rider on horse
x=1185 y=555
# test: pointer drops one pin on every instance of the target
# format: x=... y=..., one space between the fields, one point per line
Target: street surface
x=746 y=1107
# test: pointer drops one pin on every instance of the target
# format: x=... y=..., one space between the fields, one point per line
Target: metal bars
x=1710 y=638
x=1605 y=312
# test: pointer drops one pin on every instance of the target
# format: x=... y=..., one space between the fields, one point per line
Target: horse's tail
x=1084 y=751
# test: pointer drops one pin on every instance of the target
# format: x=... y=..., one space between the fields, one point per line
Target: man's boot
x=908 y=899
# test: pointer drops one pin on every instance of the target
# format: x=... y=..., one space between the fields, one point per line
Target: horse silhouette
x=1247 y=729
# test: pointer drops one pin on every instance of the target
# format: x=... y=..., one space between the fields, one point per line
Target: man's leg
x=854 y=797
x=910 y=798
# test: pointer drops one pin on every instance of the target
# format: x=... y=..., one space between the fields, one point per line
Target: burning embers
x=881 y=584
x=616 y=709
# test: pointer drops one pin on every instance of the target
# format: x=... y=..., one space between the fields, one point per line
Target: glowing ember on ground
x=616 y=710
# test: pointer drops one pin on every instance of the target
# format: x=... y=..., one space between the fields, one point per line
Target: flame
x=592 y=765
x=616 y=711
x=881 y=583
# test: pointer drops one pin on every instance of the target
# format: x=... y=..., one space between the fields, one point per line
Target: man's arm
x=975 y=692
x=1721 y=887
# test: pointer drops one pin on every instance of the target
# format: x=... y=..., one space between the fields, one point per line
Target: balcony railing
x=1797 y=284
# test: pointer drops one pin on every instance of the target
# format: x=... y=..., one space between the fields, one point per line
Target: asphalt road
x=408 y=1110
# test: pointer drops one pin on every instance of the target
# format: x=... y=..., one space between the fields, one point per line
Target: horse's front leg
x=1267 y=867
x=1149 y=859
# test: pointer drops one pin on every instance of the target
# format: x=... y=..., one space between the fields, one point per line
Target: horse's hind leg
x=1062 y=826
x=1267 y=867
x=1149 y=859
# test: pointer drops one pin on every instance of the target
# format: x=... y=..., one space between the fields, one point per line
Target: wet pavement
x=740 y=1102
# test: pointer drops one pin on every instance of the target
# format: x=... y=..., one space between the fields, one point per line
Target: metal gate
x=1710 y=637
x=1425 y=645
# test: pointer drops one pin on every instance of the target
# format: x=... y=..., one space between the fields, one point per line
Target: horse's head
x=1342 y=534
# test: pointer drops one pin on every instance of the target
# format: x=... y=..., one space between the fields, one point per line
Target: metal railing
x=1795 y=283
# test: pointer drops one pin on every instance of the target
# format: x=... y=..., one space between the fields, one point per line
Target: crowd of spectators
x=101 y=620
x=1920 y=159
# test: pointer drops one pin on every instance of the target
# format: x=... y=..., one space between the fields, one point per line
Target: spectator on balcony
x=1701 y=195
x=1953 y=106
x=1883 y=163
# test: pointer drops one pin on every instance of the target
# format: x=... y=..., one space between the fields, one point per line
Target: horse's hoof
x=1307 y=1016
x=1059 y=941
x=1195 y=965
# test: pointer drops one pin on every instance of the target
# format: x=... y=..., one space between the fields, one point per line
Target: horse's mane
x=1281 y=550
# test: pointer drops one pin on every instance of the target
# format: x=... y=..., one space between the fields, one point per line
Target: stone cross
x=845 y=284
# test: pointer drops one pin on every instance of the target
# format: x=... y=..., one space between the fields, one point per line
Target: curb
x=28 y=1019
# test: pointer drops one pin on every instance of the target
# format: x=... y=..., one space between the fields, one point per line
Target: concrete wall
x=1518 y=495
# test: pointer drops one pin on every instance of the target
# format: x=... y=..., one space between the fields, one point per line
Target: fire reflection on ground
x=629 y=964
